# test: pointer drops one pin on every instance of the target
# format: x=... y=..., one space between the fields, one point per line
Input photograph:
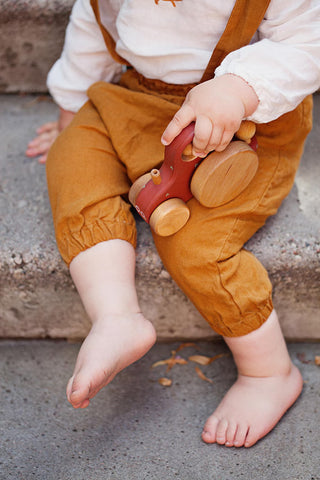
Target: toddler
x=132 y=73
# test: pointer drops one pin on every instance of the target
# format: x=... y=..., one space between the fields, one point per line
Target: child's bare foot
x=112 y=344
x=251 y=408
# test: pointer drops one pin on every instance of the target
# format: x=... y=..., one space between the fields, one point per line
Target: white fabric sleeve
x=283 y=66
x=84 y=60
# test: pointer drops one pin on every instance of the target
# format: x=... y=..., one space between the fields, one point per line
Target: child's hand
x=46 y=135
x=218 y=107
x=40 y=145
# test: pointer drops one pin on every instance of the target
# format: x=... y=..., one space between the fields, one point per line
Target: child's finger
x=216 y=137
x=39 y=149
x=35 y=152
x=32 y=152
x=47 y=127
x=41 y=144
x=43 y=158
x=225 y=140
x=184 y=116
x=36 y=149
x=42 y=138
x=202 y=135
x=35 y=142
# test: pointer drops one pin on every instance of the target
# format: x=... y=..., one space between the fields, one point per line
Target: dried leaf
x=201 y=359
x=165 y=382
x=159 y=363
x=202 y=375
x=185 y=345
x=180 y=361
x=175 y=361
x=220 y=355
x=170 y=362
x=317 y=360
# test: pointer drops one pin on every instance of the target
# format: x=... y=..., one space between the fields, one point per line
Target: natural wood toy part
x=160 y=196
x=222 y=176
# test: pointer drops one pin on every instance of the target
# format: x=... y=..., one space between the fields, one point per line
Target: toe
x=83 y=404
x=77 y=397
x=209 y=430
x=252 y=437
x=240 y=435
x=78 y=390
x=69 y=388
x=230 y=434
x=221 y=431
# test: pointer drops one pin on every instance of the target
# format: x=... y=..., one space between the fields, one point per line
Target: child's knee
x=233 y=293
x=85 y=198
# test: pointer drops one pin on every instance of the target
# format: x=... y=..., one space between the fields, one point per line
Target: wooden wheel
x=137 y=186
x=222 y=176
x=246 y=131
x=169 y=217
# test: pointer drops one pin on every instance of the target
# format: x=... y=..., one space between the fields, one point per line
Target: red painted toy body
x=176 y=179
x=175 y=176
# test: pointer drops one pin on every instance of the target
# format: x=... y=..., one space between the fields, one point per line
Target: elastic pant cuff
x=71 y=243
x=244 y=325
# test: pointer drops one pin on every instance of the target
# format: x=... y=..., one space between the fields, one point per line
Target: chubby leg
x=233 y=292
x=96 y=234
x=267 y=385
x=120 y=335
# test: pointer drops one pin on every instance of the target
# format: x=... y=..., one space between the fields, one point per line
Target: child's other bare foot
x=268 y=384
x=112 y=344
x=251 y=408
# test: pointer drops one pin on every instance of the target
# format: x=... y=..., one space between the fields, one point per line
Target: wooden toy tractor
x=160 y=196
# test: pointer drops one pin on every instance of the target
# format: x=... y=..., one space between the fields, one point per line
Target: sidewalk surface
x=136 y=429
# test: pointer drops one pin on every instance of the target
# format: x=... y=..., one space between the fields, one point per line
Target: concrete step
x=31 y=39
x=37 y=295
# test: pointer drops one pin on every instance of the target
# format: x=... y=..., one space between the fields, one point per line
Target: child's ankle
x=282 y=370
x=114 y=316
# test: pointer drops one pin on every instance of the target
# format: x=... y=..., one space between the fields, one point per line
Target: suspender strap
x=111 y=44
x=244 y=21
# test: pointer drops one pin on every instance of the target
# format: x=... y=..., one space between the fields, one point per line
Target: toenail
x=206 y=436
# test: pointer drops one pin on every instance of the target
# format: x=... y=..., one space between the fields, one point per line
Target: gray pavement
x=135 y=429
